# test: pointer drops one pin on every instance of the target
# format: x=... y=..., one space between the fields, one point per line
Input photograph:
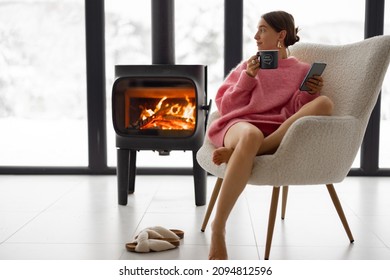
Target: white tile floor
x=77 y=217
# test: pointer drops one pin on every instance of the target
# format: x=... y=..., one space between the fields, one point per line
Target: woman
x=257 y=106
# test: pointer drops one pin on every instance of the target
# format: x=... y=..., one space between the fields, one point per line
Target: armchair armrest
x=319 y=147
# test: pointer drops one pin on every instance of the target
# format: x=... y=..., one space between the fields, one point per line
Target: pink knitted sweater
x=265 y=101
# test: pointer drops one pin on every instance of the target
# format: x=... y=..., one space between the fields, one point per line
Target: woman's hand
x=315 y=84
x=253 y=66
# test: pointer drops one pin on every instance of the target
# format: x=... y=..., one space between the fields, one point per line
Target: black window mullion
x=233 y=30
x=369 y=156
x=96 y=95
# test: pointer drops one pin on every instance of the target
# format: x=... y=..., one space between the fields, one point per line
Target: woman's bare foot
x=218 y=249
x=222 y=155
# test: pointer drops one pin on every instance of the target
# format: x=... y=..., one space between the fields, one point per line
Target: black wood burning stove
x=160 y=108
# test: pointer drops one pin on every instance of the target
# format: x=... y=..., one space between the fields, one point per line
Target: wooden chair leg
x=212 y=201
x=271 y=220
x=339 y=210
x=284 y=201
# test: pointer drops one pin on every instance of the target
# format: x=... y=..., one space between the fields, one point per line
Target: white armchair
x=318 y=149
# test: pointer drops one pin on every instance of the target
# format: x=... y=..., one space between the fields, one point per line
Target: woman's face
x=266 y=37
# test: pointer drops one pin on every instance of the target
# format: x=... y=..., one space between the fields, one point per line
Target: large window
x=42 y=83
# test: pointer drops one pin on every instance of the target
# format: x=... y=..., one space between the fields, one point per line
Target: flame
x=169 y=116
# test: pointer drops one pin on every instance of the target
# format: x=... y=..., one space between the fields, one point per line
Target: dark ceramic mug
x=268 y=59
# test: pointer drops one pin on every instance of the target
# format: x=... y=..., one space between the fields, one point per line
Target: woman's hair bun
x=296 y=36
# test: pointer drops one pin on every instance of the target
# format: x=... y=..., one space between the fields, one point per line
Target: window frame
x=96 y=94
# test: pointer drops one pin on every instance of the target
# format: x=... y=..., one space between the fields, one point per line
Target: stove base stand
x=126 y=172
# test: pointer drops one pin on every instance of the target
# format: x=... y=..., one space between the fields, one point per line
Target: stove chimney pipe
x=163 y=32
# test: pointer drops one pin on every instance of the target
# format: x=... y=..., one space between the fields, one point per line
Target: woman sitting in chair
x=257 y=106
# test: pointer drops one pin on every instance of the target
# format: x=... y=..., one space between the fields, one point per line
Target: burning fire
x=168 y=115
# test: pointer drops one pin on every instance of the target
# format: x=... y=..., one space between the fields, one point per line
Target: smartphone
x=316 y=70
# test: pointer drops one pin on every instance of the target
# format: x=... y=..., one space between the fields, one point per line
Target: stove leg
x=122 y=172
x=132 y=171
x=200 y=177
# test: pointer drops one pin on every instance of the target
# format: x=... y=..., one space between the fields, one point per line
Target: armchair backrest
x=354 y=73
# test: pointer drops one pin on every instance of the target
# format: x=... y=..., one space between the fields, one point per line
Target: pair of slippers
x=155 y=239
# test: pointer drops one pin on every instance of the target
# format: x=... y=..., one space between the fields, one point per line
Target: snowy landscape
x=43 y=73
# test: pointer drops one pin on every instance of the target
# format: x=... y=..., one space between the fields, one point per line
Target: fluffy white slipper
x=163 y=232
x=143 y=244
x=159 y=232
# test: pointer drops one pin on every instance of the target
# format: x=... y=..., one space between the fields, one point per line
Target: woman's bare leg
x=244 y=140
x=321 y=106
